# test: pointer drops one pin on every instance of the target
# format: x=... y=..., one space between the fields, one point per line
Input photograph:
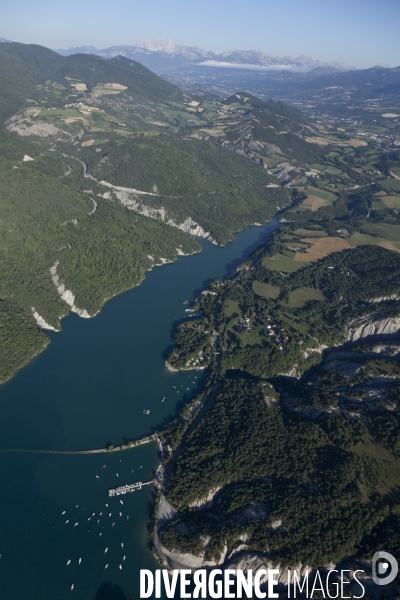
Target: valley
x=109 y=171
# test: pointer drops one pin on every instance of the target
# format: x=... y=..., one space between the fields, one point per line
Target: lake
x=87 y=390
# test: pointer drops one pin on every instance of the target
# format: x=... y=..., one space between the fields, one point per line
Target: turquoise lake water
x=87 y=390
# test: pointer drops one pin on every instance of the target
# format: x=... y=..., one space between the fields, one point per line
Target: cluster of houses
x=198 y=361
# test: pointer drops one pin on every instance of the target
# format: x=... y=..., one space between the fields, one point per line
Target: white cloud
x=273 y=67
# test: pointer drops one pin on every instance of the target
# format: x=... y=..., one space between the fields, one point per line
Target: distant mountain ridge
x=163 y=52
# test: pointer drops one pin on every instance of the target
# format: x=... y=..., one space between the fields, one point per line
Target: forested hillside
x=301 y=415
x=73 y=132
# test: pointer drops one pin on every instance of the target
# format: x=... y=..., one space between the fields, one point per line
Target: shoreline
x=88 y=316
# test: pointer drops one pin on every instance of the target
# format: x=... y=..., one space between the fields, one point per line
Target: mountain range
x=163 y=54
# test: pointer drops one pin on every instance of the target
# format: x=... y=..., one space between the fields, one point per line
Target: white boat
x=106 y=567
x=63 y=512
x=97 y=477
x=67 y=521
x=72 y=586
x=79 y=561
x=76 y=524
x=121 y=501
x=124 y=557
x=101 y=533
x=120 y=566
x=122 y=544
x=68 y=562
x=106 y=550
x=120 y=514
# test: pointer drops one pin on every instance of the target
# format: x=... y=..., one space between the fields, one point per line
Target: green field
x=282 y=263
x=378 y=205
x=391 y=184
x=391 y=201
x=323 y=194
x=231 y=308
x=266 y=290
x=333 y=171
x=359 y=239
x=318 y=166
x=301 y=296
x=385 y=230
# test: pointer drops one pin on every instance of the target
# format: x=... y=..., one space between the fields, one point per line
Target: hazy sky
x=360 y=32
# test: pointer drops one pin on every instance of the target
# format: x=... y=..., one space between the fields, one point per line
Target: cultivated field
x=321 y=247
x=356 y=143
x=310 y=232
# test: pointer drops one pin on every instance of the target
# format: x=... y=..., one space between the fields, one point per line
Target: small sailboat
x=72 y=586
x=63 y=512
x=122 y=544
x=106 y=550
x=101 y=533
x=163 y=399
x=124 y=557
x=67 y=521
x=121 y=501
x=68 y=562
x=76 y=524
x=97 y=477
x=106 y=567
x=120 y=567
x=113 y=525
x=79 y=561
x=120 y=514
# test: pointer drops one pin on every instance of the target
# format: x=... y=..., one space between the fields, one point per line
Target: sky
x=362 y=33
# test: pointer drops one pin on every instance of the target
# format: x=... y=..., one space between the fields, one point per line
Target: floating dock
x=128 y=489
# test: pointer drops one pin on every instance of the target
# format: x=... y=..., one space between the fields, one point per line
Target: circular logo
x=384 y=572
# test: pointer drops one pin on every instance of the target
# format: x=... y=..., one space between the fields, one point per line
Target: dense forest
x=301 y=443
